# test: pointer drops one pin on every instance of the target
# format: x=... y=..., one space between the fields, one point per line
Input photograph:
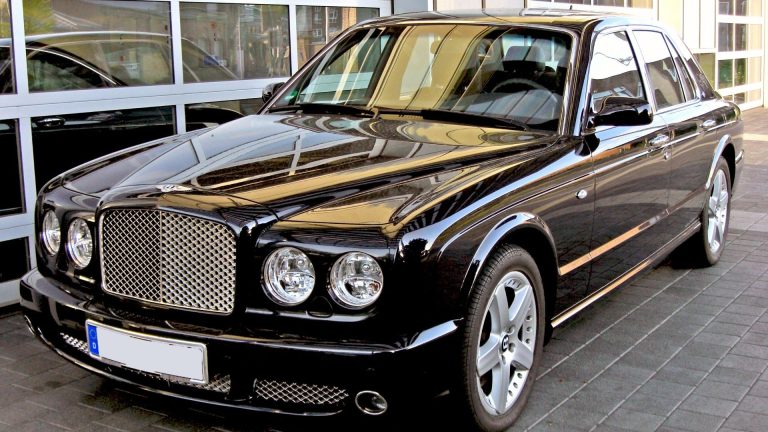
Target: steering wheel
x=520 y=82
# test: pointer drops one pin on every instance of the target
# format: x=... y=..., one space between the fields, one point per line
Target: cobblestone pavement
x=678 y=349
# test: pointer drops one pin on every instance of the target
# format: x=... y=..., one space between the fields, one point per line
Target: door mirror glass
x=623 y=111
x=270 y=90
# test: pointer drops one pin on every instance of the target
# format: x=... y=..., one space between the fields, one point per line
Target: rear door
x=632 y=174
x=690 y=120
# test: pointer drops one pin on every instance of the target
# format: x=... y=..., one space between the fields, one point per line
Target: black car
x=496 y=174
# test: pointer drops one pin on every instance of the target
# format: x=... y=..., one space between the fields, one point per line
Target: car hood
x=312 y=168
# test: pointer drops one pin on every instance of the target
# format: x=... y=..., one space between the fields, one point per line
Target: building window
x=12 y=198
x=740 y=7
x=92 y=135
x=224 y=42
x=207 y=114
x=6 y=58
x=318 y=25
x=707 y=63
x=79 y=44
x=15 y=260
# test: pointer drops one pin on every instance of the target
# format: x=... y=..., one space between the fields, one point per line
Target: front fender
x=503 y=230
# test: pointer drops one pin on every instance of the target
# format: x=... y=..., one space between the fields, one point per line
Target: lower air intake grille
x=168 y=258
x=298 y=393
x=74 y=342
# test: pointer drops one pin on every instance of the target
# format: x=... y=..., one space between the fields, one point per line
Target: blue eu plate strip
x=93 y=339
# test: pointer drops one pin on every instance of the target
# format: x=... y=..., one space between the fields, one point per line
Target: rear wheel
x=503 y=340
x=706 y=247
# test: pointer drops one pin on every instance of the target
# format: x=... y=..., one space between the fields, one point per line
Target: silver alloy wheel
x=507 y=343
x=717 y=212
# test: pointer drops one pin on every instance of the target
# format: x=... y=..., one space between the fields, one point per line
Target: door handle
x=659 y=141
x=709 y=124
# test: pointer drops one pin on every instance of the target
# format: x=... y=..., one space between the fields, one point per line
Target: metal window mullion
x=178 y=65
x=293 y=33
x=26 y=155
x=18 y=38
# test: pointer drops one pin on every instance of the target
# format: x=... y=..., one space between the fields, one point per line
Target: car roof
x=576 y=20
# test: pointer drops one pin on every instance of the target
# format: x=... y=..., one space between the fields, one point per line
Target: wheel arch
x=531 y=233
x=726 y=149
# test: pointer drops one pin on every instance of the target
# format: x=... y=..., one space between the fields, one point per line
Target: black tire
x=698 y=251
x=472 y=399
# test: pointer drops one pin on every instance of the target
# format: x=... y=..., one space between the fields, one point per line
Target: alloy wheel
x=717 y=212
x=507 y=343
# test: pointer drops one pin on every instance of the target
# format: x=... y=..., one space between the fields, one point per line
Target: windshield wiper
x=472 y=119
x=325 y=108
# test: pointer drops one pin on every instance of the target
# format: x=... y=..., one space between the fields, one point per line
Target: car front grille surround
x=167 y=258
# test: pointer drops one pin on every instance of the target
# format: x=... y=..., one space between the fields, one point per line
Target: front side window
x=663 y=75
x=513 y=73
x=613 y=70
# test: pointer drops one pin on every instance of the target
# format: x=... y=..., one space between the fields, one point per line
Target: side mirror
x=623 y=111
x=270 y=90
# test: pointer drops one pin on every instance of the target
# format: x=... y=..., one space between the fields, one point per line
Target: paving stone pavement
x=676 y=350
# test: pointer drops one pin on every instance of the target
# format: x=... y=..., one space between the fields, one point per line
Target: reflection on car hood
x=294 y=163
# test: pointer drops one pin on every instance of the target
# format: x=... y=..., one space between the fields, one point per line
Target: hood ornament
x=173 y=188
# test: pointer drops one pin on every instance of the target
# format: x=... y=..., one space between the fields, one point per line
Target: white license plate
x=152 y=354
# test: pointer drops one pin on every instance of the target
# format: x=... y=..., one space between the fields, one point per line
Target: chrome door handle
x=659 y=141
x=709 y=124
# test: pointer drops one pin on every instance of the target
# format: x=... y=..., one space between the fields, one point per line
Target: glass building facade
x=83 y=78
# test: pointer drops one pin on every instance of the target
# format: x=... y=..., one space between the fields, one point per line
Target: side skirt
x=652 y=260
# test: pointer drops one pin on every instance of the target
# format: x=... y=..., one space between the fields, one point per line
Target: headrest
x=523 y=53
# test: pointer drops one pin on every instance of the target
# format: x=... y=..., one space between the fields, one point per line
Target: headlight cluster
x=79 y=243
x=356 y=278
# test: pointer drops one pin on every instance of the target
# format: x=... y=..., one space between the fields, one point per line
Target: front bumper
x=278 y=375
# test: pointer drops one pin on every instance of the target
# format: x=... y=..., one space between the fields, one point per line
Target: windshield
x=513 y=73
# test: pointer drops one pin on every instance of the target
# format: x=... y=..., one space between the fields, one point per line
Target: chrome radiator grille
x=168 y=258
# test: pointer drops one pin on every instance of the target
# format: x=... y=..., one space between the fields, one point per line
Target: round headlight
x=51 y=233
x=289 y=276
x=356 y=280
x=79 y=243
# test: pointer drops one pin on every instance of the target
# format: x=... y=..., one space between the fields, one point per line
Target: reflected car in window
x=93 y=60
x=415 y=211
x=86 y=60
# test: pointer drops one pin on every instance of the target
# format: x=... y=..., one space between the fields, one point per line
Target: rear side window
x=663 y=75
x=685 y=77
x=613 y=70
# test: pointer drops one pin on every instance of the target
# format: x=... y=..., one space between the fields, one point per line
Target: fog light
x=371 y=402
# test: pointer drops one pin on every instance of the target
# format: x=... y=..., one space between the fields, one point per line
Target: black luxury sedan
x=413 y=212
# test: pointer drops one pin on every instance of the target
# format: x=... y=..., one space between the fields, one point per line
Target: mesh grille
x=298 y=393
x=168 y=258
x=74 y=342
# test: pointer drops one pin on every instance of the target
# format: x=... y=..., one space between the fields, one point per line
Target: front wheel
x=503 y=340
